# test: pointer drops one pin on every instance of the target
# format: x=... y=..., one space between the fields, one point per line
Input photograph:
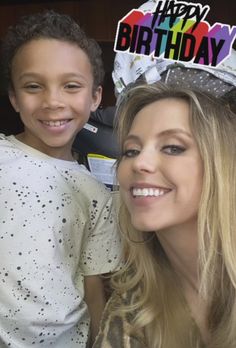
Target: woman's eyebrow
x=132 y=137
x=174 y=131
x=167 y=132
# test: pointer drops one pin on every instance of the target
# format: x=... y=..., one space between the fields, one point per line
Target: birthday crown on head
x=220 y=81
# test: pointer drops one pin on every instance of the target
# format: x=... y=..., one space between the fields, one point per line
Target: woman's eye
x=130 y=153
x=173 y=149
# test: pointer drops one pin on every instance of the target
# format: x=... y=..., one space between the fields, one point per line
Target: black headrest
x=98 y=135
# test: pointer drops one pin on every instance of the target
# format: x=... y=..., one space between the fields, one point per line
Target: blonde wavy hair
x=160 y=308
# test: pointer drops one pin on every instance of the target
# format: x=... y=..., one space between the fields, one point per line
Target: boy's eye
x=72 y=86
x=173 y=150
x=130 y=153
x=32 y=87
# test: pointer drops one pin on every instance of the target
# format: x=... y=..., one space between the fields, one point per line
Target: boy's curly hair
x=49 y=24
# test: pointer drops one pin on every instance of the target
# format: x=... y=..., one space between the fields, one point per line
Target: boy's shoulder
x=87 y=191
x=3 y=137
x=76 y=175
x=88 y=183
x=7 y=146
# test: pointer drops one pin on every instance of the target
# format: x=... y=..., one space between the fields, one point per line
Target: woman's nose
x=146 y=161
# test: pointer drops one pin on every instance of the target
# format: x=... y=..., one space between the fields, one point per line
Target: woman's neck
x=181 y=249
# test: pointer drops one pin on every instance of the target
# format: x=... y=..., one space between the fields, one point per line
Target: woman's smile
x=159 y=155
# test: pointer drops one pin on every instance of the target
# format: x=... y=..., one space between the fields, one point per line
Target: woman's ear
x=13 y=100
x=97 y=97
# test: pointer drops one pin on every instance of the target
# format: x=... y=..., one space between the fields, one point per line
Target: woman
x=177 y=176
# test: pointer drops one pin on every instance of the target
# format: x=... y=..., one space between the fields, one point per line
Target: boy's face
x=53 y=92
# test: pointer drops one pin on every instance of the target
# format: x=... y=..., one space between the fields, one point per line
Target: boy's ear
x=13 y=100
x=97 y=97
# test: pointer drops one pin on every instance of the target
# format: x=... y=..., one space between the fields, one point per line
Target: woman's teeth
x=138 y=192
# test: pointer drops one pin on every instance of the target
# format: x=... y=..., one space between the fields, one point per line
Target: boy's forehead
x=47 y=44
x=51 y=55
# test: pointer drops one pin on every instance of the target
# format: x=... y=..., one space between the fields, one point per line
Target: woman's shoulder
x=115 y=329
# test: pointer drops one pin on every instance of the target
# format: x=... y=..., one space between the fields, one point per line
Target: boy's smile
x=53 y=92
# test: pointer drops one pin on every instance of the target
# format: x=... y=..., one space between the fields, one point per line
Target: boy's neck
x=62 y=153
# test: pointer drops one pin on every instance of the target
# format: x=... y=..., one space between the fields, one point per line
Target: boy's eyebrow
x=38 y=75
x=173 y=131
x=28 y=74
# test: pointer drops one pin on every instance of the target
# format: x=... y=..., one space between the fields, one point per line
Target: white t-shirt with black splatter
x=56 y=226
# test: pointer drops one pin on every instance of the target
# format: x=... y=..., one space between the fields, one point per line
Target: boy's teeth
x=55 y=123
x=147 y=192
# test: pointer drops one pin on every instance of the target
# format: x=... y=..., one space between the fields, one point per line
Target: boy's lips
x=55 y=123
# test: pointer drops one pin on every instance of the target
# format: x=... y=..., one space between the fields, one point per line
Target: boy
x=57 y=225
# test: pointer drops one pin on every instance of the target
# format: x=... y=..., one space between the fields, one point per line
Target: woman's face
x=161 y=171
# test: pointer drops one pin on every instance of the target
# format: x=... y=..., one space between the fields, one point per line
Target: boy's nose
x=53 y=100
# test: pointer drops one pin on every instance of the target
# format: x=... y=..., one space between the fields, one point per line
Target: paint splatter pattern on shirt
x=56 y=225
